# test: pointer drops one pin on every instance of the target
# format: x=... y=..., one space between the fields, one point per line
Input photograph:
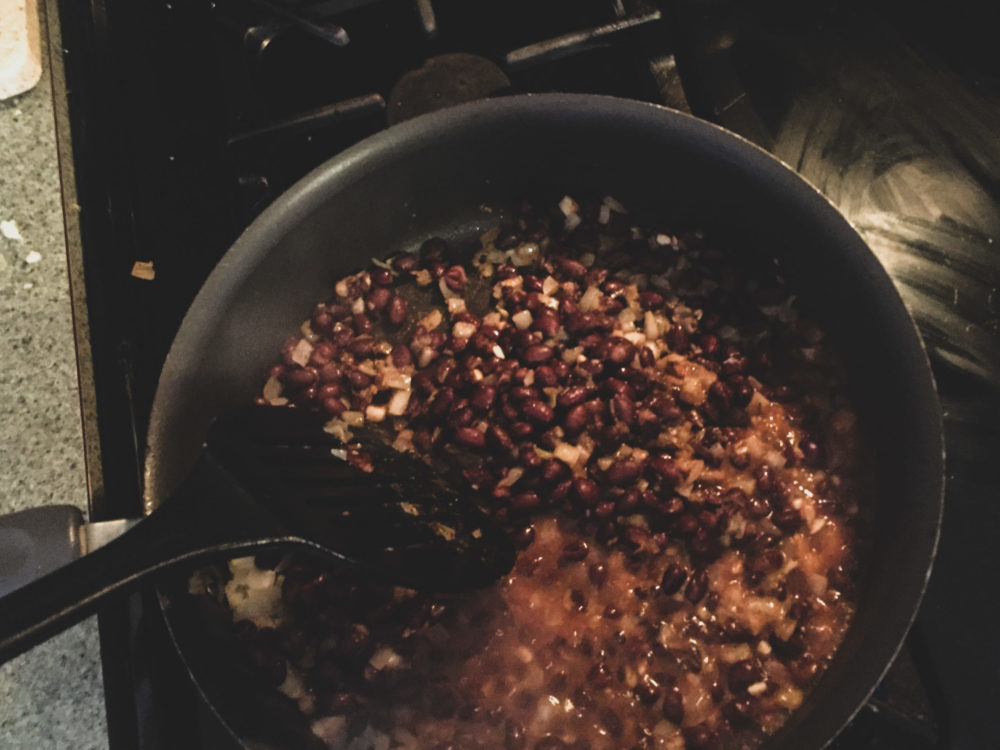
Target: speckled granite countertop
x=52 y=696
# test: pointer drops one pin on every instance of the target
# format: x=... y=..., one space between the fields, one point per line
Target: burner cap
x=443 y=82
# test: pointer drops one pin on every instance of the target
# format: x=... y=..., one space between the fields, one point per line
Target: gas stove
x=180 y=120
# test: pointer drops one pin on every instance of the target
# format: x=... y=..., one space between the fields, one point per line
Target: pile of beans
x=668 y=442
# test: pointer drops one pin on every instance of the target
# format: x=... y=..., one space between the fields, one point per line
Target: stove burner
x=328 y=32
x=443 y=82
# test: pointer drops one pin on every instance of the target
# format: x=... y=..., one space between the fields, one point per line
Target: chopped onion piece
x=614 y=205
x=446 y=290
x=463 y=329
x=272 y=392
x=374 y=413
x=395 y=379
x=590 y=299
x=431 y=320
x=353 y=418
x=301 y=353
x=522 y=320
x=511 y=477
x=568 y=206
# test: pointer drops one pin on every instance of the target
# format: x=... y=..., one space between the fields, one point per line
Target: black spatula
x=271 y=476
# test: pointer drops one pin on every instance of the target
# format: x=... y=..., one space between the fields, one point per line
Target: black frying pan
x=458 y=172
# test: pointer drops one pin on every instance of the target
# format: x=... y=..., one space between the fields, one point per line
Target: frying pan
x=458 y=172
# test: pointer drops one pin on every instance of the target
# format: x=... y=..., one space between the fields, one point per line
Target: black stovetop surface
x=185 y=118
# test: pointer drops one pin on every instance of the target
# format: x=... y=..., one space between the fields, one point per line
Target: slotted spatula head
x=401 y=521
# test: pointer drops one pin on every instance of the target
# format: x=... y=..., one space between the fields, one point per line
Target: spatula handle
x=204 y=517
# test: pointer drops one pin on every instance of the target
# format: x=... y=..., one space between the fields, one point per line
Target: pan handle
x=207 y=516
x=36 y=541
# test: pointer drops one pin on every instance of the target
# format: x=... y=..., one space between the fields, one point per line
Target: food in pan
x=669 y=442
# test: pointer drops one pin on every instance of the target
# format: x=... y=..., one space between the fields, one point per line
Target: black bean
x=499 y=437
x=537 y=411
x=547 y=323
x=742 y=674
x=358 y=380
x=709 y=520
x=576 y=419
x=521 y=430
x=529 y=458
x=766 y=481
x=573 y=395
x=575 y=551
x=623 y=408
x=362 y=324
x=524 y=536
x=434 y=249
x=546 y=377
x=362 y=346
x=787 y=519
x=648 y=691
x=646 y=357
x=598 y=574
x=382 y=277
x=623 y=472
x=758 y=507
x=620 y=350
x=586 y=491
x=667 y=468
x=742 y=391
x=734 y=496
x=686 y=524
x=378 y=298
x=673 y=706
x=356 y=647
x=738 y=713
x=461 y=418
x=570 y=268
x=677 y=339
x=721 y=395
x=697 y=587
x=405 y=263
x=471 y=437
x=604 y=509
x=673 y=578
x=397 y=309
x=627 y=501
x=537 y=354
x=525 y=501
x=735 y=632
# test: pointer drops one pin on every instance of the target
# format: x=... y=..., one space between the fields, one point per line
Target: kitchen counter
x=52 y=696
